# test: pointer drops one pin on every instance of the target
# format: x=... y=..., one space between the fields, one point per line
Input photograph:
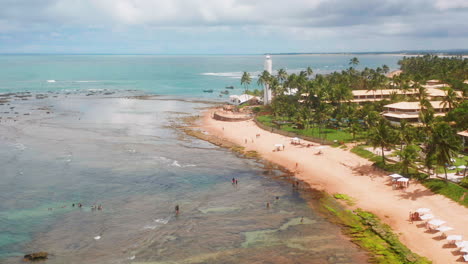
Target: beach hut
x=395 y=176
x=279 y=147
x=295 y=141
x=403 y=182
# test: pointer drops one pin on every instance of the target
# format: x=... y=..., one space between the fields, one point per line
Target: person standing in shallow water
x=177 y=209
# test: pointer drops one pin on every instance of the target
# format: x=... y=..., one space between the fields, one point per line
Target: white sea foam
x=85 y=81
x=175 y=163
x=51 y=81
x=131 y=258
x=157 y=222
x=19 y=146
x=97 y=237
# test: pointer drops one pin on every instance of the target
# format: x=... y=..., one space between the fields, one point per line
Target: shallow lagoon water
x=124 y=153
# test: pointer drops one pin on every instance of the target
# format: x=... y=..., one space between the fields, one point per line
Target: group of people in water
x=234 y=181
x=93 y=207
x=80 y=205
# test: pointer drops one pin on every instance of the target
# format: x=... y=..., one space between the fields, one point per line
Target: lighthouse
x=266 y=89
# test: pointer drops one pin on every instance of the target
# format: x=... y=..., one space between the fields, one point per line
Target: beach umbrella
x=444 y=228
x=395 y=176
x=462 y=167
x=454 y=238
x=423 y=210
x=403 y=179
x=427 y=217
x=437 y=222
x=278 y=145
x=464 y=250
x=461 y=244
x=465 y=257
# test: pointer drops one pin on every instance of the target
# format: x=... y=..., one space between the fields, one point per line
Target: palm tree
x=385 y=69
x=246 y=80
x=443 y=145
x=407 y=157
x=354 y=61
x=450 y=99
x=282 y=75
x=264 y=78
x=309 y=71
x=382 y=135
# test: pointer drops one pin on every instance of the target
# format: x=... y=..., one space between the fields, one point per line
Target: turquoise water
x=168 y=75
x=123 y=152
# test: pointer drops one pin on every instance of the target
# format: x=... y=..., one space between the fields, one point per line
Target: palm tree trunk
x=445 y=170
x=383 y=155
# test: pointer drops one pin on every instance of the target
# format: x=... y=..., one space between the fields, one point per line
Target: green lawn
x=326 y=133
x=451 y=190
x=448 y=189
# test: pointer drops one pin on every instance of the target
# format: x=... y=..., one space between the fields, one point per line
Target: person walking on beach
x=236 y=181
x=268 y=205
x=177 y=209
x=233 y=180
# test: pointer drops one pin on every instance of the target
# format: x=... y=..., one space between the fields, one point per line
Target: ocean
x=102 y=130
x=165 y=75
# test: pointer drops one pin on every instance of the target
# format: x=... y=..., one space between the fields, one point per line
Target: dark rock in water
x=36 y=256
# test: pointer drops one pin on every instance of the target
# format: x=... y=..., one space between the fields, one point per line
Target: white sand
x=335 y=172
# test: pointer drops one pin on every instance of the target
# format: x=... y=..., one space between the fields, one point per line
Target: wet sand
x=340 y=171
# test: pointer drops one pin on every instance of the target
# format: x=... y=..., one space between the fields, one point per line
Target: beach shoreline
x=340 y=171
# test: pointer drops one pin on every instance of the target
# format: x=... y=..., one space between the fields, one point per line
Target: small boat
x=229 y=87
x=225 y=92
x=208 y=91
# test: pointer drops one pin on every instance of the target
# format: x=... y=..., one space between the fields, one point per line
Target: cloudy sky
x=230 y=26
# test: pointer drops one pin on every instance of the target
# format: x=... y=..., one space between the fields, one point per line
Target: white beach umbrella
x=462 y=167
x=427 y=217
x=395 y=176
x=462 y=243
x=464 y=250
x=423 y=210
x=454 y=238
x=444 y=228
x=278 y=145
x=465 y=257
x=296 y=138
x=437 y=222
x=403 y=179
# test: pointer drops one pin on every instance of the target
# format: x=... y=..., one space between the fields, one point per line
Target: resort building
x=360 y=96
x=409 y=111
x=464 y=136
x=244 y=98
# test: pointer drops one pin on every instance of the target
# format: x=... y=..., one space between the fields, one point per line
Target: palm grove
x=323 y=102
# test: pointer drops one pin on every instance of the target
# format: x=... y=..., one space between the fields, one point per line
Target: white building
x=266 y=89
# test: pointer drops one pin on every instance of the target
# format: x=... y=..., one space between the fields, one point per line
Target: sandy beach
x=340 y=171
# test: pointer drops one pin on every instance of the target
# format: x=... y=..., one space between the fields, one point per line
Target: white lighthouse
x=266 y=89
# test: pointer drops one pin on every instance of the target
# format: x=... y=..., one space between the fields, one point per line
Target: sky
x=231 y=26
